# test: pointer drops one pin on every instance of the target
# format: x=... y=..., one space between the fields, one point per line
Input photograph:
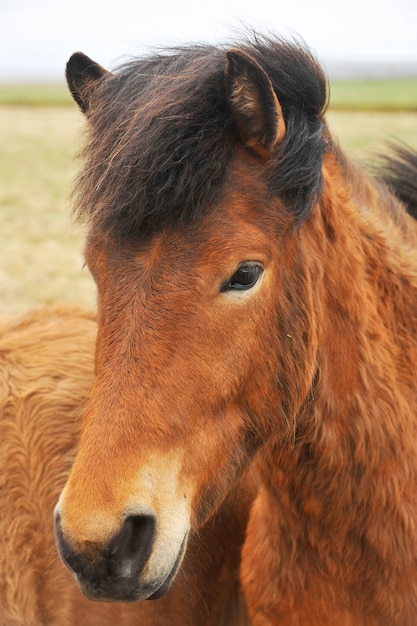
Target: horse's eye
x=245 y=277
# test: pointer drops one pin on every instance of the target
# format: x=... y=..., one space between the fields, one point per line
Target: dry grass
x=40 y=252
x=362 y=134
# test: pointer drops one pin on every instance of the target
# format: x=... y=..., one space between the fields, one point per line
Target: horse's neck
x=366 y=316
x=348 y=471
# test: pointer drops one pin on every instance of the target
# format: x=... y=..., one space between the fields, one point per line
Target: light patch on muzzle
x=157 y=489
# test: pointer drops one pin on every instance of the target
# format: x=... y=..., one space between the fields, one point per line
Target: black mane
x=398 y=169
x=161 y=136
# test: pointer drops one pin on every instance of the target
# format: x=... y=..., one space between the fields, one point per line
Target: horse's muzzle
x=114 y=572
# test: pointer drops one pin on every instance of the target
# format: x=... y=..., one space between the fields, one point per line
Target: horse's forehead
x=221 y=239
x=237 y=224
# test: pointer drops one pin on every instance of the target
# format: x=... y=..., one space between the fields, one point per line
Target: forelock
x=161 y=137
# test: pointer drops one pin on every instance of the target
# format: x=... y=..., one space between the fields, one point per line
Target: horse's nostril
x=70 y=558
x=125 y=556
x=129 y=550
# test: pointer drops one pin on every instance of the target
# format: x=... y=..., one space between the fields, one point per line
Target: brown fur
x=46 y=366
x=340 y=503
x=308 y=371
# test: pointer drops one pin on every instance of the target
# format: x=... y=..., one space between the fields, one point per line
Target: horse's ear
x=254 y=104
x=82 y=76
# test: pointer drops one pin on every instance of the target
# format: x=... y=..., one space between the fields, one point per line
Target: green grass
x=374 y=95
x=34 y=95
x=351 y=95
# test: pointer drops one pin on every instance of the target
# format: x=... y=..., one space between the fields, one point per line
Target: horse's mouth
x=127 y=589
x=168 y=580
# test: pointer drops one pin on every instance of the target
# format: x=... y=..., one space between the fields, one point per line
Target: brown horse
x=257 y=304
x=46 y=370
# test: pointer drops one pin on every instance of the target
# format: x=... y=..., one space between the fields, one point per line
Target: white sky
x=38 y=36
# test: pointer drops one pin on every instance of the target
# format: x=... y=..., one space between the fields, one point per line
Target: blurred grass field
x=40 y=131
